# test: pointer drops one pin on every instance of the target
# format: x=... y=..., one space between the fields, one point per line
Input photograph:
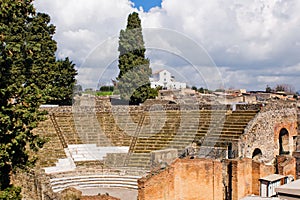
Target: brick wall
x=197 y=179
x=242 y=178
x=245 y=176
x=156 y=187
x=286 y=165
x=187 y=179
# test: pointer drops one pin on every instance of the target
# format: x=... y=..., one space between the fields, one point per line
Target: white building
x=164 y=79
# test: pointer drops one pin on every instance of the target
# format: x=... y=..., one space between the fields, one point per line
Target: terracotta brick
x=188 y=179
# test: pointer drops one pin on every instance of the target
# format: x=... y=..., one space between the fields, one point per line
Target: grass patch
x=104 y=93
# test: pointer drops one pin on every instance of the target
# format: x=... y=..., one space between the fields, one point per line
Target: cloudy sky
x=216 y=43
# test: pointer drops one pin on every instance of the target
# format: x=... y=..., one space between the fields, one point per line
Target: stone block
x=115 y=159
x=162 y=158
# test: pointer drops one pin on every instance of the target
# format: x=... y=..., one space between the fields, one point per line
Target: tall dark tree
x=268 y=89
x=63 y=83
x=133 y=79
x=28 y=71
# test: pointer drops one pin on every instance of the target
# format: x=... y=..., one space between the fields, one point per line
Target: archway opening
x=283 y=142
x=257 y=154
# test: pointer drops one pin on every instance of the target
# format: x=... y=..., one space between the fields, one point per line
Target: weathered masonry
x=95 y=144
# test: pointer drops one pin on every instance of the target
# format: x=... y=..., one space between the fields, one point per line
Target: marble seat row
x=94 y=181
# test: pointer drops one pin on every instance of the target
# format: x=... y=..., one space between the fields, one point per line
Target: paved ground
x=123 y=194
x=259 y=198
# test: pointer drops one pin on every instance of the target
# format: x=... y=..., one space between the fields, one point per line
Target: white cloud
x=257 y=41
x=83 y=25
x=258 y=79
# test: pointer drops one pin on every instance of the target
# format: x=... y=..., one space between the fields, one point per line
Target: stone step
x=92 y=181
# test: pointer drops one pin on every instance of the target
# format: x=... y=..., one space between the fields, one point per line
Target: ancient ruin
x=164 y=151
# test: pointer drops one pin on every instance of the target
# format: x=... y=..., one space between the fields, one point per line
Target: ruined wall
x=263 y=131
x=286 y=165
x=245 y=176
x=242 y=178
x=296 y=154
x=259 y=170
x=35 y=185
x=198 y=179
x=158 y=186
x=206 y=179
x=187 y=179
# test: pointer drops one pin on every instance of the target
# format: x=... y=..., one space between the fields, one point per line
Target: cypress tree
x=133 y=79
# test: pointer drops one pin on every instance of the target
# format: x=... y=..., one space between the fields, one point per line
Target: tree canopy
x=133 y=79
x=63 y=83
x=30 y=75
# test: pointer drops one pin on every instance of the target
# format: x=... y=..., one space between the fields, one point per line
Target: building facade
x=164 y=79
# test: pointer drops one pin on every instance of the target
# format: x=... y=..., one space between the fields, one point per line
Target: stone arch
x=257 y=154
x=283 y=142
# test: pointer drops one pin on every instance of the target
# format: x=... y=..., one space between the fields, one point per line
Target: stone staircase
x=158 y=130
x=65 y=122
x=96 y=180
x=147 y=131
x=118 y=127
x=62 y=165
x=91 y=152
x=53 y=149
x=210 y=129
x=89 y=129
x=101 y=128
x=84 y=155
x=229 y=131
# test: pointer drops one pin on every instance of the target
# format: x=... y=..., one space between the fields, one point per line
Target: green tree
x=201 y=90
x=133 y=79
x=107 y=88
x=268 y=89
x=28 y=71
x=63 y=84
x=11 y=193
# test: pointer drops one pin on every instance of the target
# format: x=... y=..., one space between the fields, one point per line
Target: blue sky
x=146 y=4
x=252 y=43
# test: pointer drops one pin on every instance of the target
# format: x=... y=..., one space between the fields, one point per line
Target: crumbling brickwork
x=286 y=165
x=245 y=177
x=297 y=157
x=161 y=186
x=187 y=179
x=197 y=179
x=264 y=130
x=259 y=170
